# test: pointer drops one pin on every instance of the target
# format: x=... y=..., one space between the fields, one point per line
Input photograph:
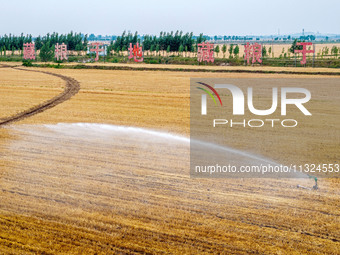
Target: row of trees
x=11 y=42
x=247 y=38
x=167 y=42
x=233 y=49
x=170 y=42
x=74 y=41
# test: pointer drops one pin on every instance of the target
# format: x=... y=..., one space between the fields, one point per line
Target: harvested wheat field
x=104 y=169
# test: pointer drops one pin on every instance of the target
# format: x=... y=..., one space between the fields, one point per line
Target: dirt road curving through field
x=71 y=88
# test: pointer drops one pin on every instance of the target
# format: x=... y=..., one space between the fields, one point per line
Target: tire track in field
x=72 y=87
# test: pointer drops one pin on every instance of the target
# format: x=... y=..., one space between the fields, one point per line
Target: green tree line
x=11 y=42
x=74 y=41
x=166 y=41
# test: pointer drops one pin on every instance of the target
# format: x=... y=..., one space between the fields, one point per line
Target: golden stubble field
x=74 y=193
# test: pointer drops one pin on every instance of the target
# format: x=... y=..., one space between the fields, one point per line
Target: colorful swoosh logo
x=209 y=93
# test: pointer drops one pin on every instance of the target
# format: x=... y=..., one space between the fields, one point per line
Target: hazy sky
x=221 y=17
